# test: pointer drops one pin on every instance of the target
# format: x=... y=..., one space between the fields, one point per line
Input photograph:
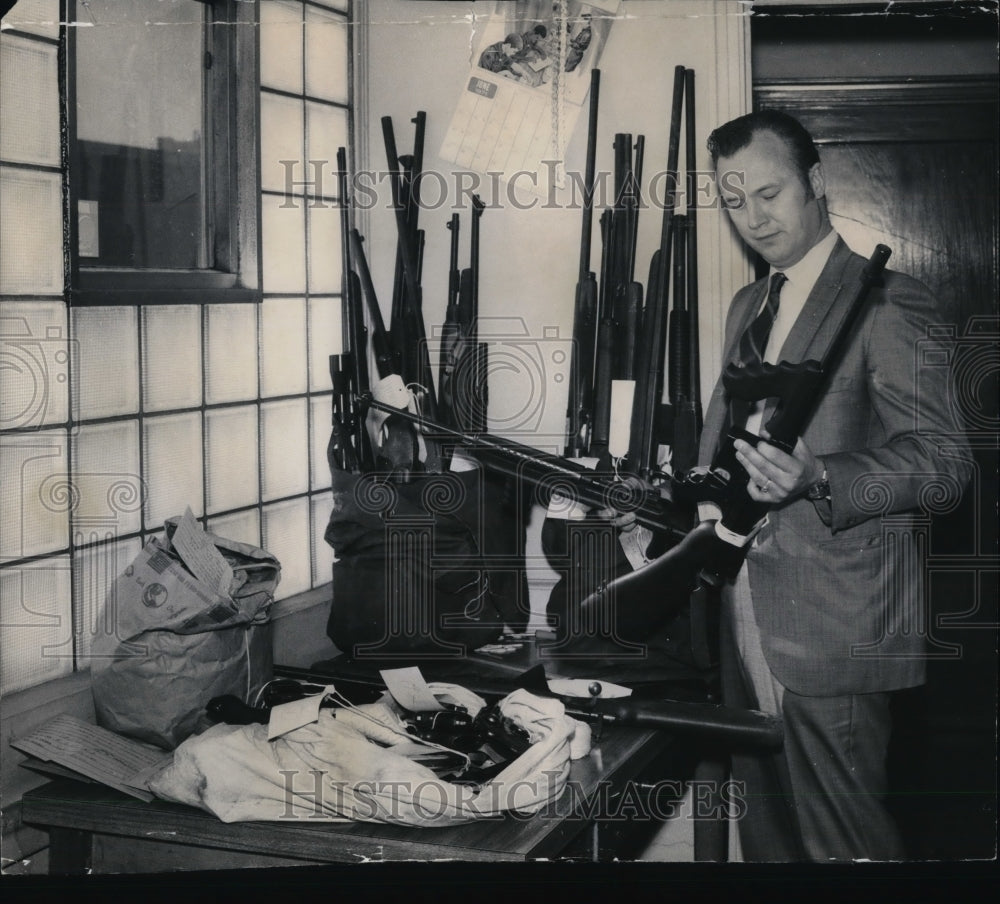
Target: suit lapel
x=823 y=300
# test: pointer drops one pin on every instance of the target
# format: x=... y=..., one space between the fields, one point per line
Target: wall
x=417 y=57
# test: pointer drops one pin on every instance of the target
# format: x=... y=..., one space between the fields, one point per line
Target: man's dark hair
x=735 y=135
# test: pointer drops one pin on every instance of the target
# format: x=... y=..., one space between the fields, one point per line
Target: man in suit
x=826 y=617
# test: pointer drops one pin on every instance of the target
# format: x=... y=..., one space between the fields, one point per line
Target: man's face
x=770 y=206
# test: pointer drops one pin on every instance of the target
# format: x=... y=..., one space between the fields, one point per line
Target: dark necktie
x=753 y=343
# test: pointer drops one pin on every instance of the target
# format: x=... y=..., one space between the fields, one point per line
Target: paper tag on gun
x=286 y=717
x=409 y=690
x=634 y=544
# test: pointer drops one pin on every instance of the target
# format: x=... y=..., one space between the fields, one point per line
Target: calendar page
x=528 y=81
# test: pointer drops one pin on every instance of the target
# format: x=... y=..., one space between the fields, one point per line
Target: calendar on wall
x=528 y=80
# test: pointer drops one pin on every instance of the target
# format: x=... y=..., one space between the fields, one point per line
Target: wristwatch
x=820 y=489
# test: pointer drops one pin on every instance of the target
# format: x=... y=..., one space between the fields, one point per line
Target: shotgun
x=385 y=360
x=450 y=332
x=643 y=441
x=579 y=409
x=409 y=244
x=470 y=399
x=349 y=448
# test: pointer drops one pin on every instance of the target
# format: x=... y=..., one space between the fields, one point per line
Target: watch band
x=820 y=489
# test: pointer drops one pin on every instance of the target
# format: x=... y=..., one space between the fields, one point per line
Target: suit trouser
x=821 y=797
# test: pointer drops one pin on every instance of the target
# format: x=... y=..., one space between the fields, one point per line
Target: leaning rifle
x=713 y=552
x=552 y=474
x=450 y=333
x=349 y=448
x=643 y=441
x=579 y=409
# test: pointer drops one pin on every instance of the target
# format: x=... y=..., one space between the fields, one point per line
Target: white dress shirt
x=802 y=277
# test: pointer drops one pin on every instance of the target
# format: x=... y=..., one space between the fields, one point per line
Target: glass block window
x=114 y=418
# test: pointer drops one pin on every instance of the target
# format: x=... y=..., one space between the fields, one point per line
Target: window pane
x=35 y=491
x=286 y=536
x=30 y=232
x=283 y=346
x=173 y=467
x=36 y=628
x=232 y=353
x=284 y=448
x=281 y=167
x=231 y=442
x=140 y=113
x=325 y=266
x=325 y=339
x=29 y=98
x=326 y=55
x=171 y=357
x=34 y=363
x=281 y=46
x=242 y=526
x=106 y=479
x=327 y=129
x=320 y=409
x=105 y=384
x=284 y=243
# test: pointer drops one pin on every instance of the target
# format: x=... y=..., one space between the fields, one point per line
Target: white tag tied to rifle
x=391 y=391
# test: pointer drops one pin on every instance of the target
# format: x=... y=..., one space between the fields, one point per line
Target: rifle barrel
x=651 y=509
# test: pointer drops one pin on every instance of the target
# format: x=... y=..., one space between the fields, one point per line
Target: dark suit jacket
x=840 y=606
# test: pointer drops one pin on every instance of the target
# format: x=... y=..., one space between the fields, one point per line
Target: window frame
x=233 y=179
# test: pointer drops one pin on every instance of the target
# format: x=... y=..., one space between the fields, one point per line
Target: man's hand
x=776 y=476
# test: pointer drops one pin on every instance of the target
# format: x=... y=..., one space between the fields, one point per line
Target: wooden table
x=96 y=828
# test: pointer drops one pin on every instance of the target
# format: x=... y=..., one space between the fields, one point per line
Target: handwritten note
x=200 y=554
x=95 y=753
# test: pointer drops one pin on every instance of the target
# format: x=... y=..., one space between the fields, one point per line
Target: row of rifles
x=402 y=349
x=620 y=340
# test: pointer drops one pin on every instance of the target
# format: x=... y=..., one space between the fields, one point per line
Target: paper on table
x=200 y=554
x=409 y=690
x=94 y=752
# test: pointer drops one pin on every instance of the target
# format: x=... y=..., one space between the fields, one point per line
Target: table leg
x=711 y=835
x=69 y=852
